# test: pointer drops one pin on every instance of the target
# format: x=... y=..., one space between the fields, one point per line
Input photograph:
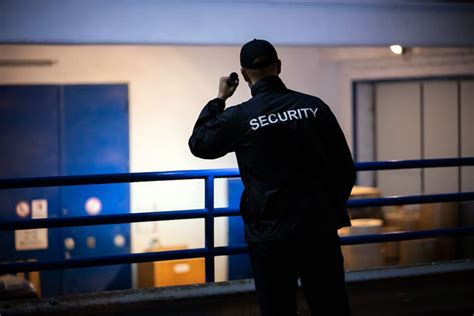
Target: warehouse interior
x=166 y=86
x=414 y=104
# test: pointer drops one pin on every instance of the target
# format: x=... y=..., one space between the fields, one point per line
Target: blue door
x=66 y=130
x=95 y=140
x=29 y=147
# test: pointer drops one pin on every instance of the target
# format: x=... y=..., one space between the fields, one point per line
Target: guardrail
x=210 y=212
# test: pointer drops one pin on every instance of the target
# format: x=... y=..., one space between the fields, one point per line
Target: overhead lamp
x=398 y=49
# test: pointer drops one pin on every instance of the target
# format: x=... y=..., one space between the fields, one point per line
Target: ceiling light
x=397 y=49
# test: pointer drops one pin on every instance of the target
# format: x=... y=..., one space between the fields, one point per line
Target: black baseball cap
x=257 y=54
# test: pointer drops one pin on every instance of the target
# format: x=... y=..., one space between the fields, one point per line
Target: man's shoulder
x=306 y=95
x=236 y=113
x=251 y=105
x=309 y=98
x=236 y=108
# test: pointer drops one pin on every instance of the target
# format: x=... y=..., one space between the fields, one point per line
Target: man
x=297 y=172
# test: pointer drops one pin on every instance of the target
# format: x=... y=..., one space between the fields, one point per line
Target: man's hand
x=226 y=90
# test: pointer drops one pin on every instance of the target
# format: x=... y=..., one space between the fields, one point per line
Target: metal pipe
x=218 y=251
x=371 y=238
x=209 y=228
x=101 y=219
x=219 y=212
x=101 y=261
x=405 y=235
x=13 y=183
x=411 y=199
x=409 y=164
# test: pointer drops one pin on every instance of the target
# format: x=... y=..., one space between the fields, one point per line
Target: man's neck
x=254 y=81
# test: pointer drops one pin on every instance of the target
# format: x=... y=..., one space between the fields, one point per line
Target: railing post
x=209 y=227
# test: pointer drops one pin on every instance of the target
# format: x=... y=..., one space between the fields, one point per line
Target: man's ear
x=245 y=75
x=278 y=66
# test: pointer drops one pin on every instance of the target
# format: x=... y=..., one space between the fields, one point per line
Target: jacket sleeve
x=215 y=133
x=338 y=155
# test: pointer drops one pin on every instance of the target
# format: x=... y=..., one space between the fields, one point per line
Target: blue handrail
x=14 y=183
x=410 y=164
x=218 y=212
x=210 y=212
x=217 y=251
x=209 y=228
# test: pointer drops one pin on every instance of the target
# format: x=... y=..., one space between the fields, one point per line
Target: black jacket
x=293 y=158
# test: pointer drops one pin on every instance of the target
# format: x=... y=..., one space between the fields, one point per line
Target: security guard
x=298 y=174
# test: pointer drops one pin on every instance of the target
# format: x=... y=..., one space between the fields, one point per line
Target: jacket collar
x=270 y=83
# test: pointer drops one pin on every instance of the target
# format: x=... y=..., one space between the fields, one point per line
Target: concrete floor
x=437 y=289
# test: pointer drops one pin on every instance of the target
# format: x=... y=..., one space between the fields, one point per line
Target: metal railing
x=209 y=252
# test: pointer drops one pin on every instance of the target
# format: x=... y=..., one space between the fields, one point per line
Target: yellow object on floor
x=171 y=272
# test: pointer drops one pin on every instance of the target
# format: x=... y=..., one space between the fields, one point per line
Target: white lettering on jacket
x=289 y=115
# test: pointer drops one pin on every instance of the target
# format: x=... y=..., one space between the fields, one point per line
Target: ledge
x=230 y=295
